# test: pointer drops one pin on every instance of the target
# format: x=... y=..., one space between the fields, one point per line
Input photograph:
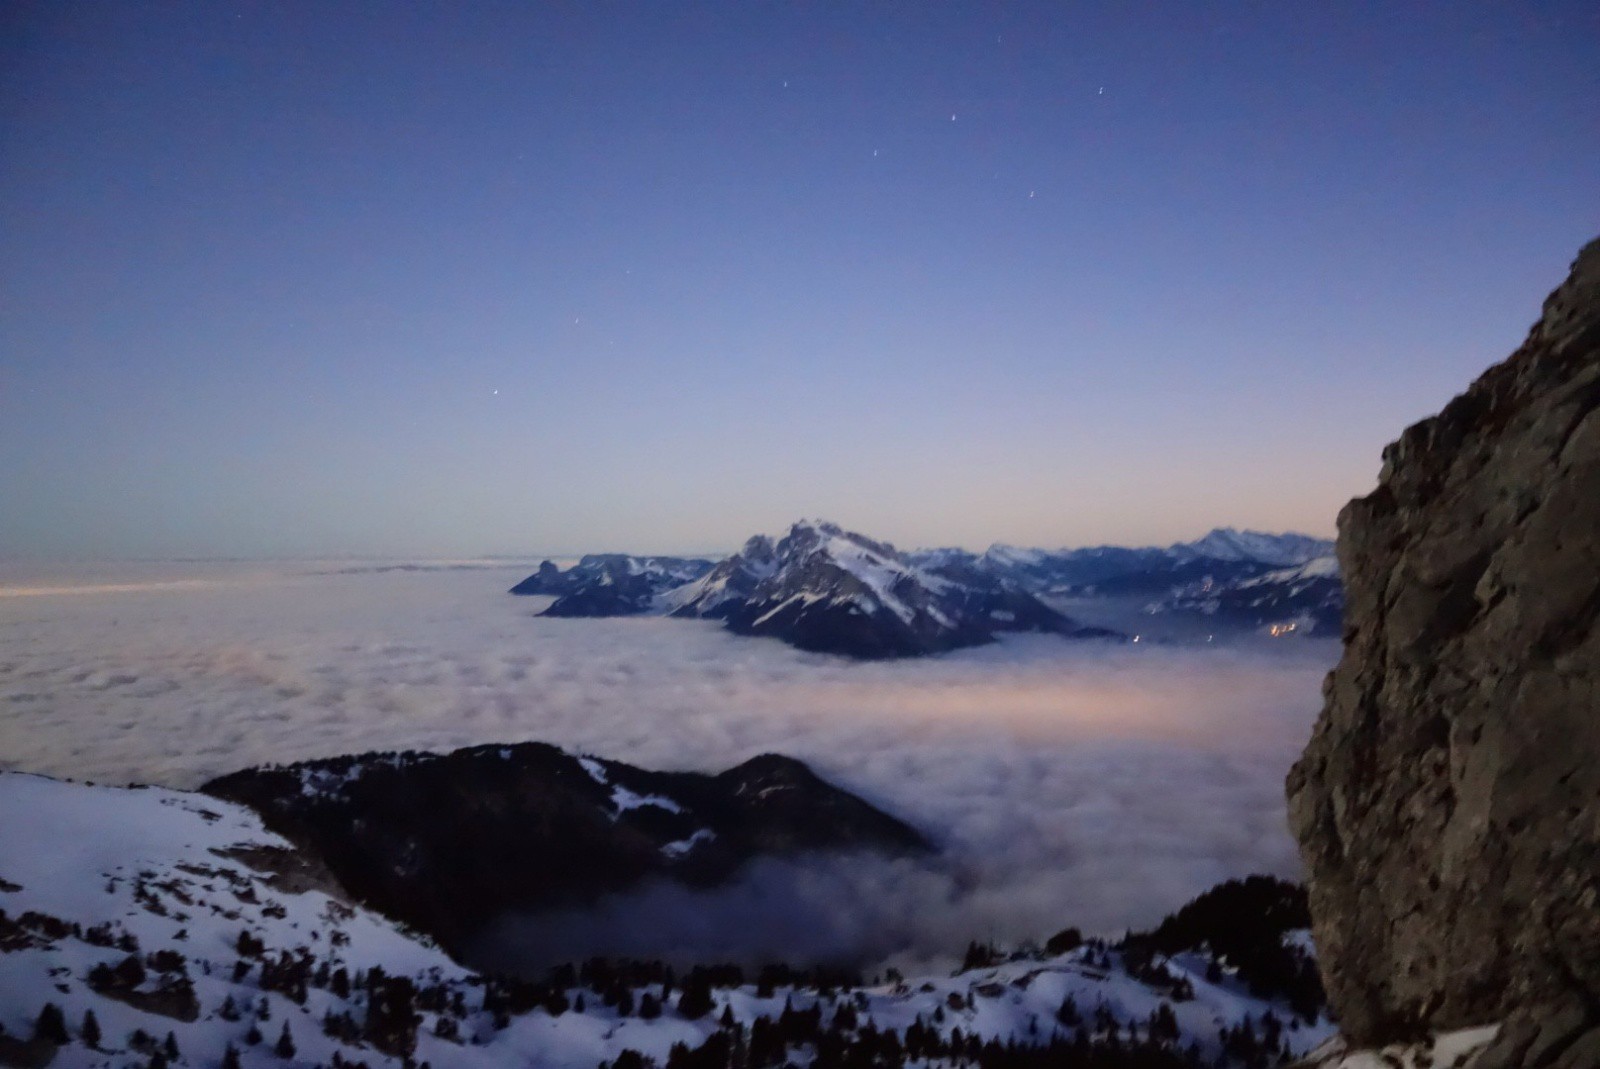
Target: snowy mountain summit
x=829 y=590
x=1281 y=550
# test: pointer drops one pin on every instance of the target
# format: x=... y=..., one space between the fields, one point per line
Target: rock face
x=1448 y=804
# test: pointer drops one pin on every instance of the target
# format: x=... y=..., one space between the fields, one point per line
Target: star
x=952 y=117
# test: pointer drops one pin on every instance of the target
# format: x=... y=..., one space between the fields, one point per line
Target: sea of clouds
x=1090 y=784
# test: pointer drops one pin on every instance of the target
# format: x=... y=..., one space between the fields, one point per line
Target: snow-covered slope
x=202 y=899
x=1442 y=1050
x=732 y=582
x=826 y=589
x=1307 y=599
x=162 y=912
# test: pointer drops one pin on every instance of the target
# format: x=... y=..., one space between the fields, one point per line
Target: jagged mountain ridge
x=829 y=590
x=448 y=843
x=826 y=589
x=610 y=584
x=175 y=912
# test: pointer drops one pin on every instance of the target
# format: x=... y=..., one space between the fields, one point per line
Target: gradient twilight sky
x=396 y=279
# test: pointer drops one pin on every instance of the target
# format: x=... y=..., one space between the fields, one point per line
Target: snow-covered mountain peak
x=807 y=537
x=1230 y=544
x=759 y=550
x=1013 y=556
x=829 y=589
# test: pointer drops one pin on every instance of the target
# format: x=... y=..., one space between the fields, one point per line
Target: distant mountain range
x=1224 y=555
x=822 y=588
x=1305 y=599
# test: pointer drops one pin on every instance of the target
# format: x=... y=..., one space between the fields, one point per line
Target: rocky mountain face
x=829 y=590
x=1448 y=803
x=731 y=583
x=447 y=843
x=610 y=584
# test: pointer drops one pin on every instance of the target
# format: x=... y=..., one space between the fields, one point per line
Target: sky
x=312 y=279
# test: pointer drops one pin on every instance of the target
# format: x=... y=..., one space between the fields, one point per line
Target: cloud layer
x=1069 y=783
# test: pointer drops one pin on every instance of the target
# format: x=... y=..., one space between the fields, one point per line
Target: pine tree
x=90 y=1030
x=285 y=1047
x=230 y=1057
x=51 y=1025
x=253 y=1036
x=171 y=1047
x=695 y=1002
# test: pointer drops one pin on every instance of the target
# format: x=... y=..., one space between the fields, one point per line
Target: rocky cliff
x=1448 y=804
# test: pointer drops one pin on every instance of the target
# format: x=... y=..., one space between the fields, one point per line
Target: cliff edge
x=1448 y=803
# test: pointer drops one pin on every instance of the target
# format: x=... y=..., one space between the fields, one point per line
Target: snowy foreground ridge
x=180 y=925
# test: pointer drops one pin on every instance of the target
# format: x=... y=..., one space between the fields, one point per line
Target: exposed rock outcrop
x=1448 y=804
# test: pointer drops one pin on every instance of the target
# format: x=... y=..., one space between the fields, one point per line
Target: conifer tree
x=90 y=1030
x=51 y=1025
x=285 y=1047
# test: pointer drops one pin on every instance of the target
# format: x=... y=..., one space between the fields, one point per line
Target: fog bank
x=1084 y=783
